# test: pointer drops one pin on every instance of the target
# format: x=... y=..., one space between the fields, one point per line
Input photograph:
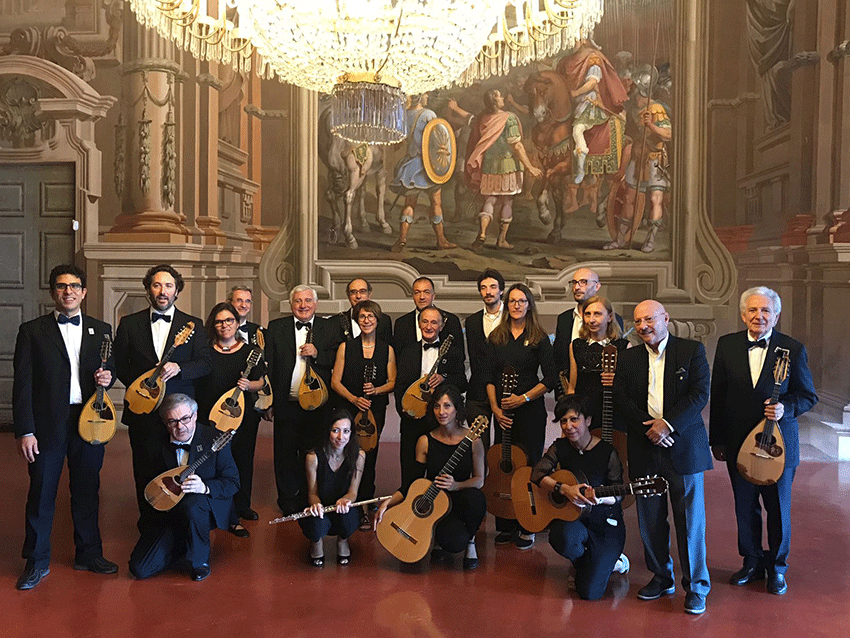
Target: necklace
x=365 y=347
x=224 y=348
x=582 y=450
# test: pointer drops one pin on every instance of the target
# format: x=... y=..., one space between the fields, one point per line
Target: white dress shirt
x=73 y=337
x=757 y=356
x=655 y=393
x=355 y=328
x=429 y=356
x=578 y=322
x=300 y=362
x=160 y=329
x=491 y=321
x=182 y=455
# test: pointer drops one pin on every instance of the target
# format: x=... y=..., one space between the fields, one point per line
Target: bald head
x=585 y=284
x=651 y=322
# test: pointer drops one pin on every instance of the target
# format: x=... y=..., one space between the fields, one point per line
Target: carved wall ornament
x=120 y=163
x=262 y=114
x=20 y=114
x=247 y=213
x=169 y=152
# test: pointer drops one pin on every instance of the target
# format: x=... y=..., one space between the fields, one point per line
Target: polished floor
x=263 y=586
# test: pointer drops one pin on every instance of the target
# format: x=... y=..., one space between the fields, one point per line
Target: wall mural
x=588 y=128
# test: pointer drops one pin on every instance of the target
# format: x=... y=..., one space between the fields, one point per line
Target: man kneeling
x=184 y=530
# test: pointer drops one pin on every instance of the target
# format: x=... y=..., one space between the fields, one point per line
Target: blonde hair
x=613 y=330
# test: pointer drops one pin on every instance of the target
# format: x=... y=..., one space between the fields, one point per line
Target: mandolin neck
x=151 y=380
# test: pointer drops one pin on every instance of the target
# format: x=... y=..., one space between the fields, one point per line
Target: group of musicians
x=659 y=390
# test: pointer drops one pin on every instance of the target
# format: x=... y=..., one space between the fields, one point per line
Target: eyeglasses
x=183 y=420
x=366 y=316
x=583 y=282
x=224 y=322
x=517 y=302
x=360 y=291
x=62 y=287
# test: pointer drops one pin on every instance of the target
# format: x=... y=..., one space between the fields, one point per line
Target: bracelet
x=557 y=488
x=527 y=398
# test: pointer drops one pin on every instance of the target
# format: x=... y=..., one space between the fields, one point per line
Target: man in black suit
x=478 y=326
x=407 y=330
x=416 y=361
x=741 y=393
x=660 y=391
x=57 y=368
x=183 y=532
x=585 y=284
x=140 y=342
x=361 y=290
x=297 y=430
x=242 y=298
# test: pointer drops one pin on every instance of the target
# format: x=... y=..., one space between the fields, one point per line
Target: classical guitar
x=264 y=395
x=536 y=507
x=312 y=391
x=365 y=426
x=228 y=411
x=326 y=509
x=144 y=395
x=164 y=491
x=761 y=459
x=97 y=420
x=503 y=460
x=416 y=397
x=608 y=434
x=407 y=530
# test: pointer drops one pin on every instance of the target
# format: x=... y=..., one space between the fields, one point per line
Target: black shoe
x=32 y=576
x=776 y=584
x=504 y=538
x=343 y=559
x=524 y=541
x=655 y=588
x=317 y=561
x=694 y=603
x=747 y=574
x=98 y=565
x=200 y=572
x=239 y=531
x=470 y=563
x=249 y=515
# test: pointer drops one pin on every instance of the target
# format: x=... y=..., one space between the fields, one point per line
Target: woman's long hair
x=209 y=326
x=352 y=448
x=534 y=332
x=613 y=331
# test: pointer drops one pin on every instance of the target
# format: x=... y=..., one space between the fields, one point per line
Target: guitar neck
x=607 y=415
x=449 y=467
x=614 y=490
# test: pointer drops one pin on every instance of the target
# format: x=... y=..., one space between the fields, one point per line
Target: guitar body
x=415 y=399
x=265 y=398
x=408 y=534
x=142 y=398
x=312 y=392
x=227 y=413
x=366 y=430
x=535 y=507
x=497 y=485
x=761 y=461
x=163 y=492
x=97 y=426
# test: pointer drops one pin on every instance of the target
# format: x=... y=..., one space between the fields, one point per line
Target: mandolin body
x=97 y=426
x=762 y=462
x=143 y=396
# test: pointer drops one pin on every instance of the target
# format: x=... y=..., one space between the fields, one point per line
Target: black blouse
x=526 y=360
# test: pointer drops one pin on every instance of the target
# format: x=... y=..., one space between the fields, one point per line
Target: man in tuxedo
x=241 y=298
x=416 y=361
x=140 y=343
x=57 y=367
x=184 y=531
x=742 y=386
x=478 y=326
x=660 y=390
x=359 y=290
x=297 y=430
x=407 y=330
x=585 y=284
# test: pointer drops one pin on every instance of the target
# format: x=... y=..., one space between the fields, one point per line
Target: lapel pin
x=91 y=331
x=199 y=448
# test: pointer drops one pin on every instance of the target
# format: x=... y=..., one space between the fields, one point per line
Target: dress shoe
x=776 y=584
x=747 y=574
x=694 y=603
x=656 y=588
x=239 y=531
x=524 y=541
x=249 y=515
x=504 y=538
x=32 y=576
x=200 y=572
x=98 y=565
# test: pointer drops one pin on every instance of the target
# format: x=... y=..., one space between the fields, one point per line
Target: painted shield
x=439 y=150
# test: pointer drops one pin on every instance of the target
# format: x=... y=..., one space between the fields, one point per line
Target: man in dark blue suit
x=184 y=531
x=407 y=332
x=57 y=369
x=741 y=392
x=660 y=391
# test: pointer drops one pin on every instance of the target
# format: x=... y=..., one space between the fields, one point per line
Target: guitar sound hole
x=422 y=507
x=506 y=466
x=558 y=499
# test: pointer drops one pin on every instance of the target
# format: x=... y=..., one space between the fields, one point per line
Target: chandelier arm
x=389 y=42
x=511 y=42
x=555 y=17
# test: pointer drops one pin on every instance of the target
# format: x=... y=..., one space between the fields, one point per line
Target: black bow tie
x=302 y=324
x=63 y=319
x=761 y=343
x=243 y=328
x=180 y=446
x=426 y=345
x=157 y=316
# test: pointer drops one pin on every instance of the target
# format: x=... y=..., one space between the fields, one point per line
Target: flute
x=329 y=508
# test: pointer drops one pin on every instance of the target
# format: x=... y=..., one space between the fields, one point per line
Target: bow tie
x=180 y=446
x=63 y=319
x=243 y=328
x=302 y=324
x=157 y=316
x=761 y=343
x=427 y=346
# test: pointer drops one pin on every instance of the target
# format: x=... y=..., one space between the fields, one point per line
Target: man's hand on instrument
x=719 y=452
x=103 y=377
x=342 y=505
x=194 y=485
x=315 y=509
x=308 y=350
x=659 y=433
x=435 y=380
x=773 y=411
x=607 y=378
x=28 y=447
x=504 y=420
x=169 y=371
x=445 y=482
x=512 y=402
x=363 y=404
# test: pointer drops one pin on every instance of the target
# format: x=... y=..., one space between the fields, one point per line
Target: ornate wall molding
x=735 y=102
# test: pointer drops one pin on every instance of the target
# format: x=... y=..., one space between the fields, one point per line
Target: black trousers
x=411 y=430
x=296 y=431
x=145 y=432
x=242 y=447
x=593 y=547
x=475 y=409
x=367 y=481
x=460 y=525
x=84 y=463
x=331 y=524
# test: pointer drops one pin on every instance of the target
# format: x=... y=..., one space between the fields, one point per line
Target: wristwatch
x=557 y=488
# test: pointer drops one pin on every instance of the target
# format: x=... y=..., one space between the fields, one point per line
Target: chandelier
x=370 y=54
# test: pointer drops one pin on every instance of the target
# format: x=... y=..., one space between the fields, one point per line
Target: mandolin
x=164 y=491
x=97 y=420
x=608 y=434
x=365 y=426
x=407 y=529
x=312 y=391
x=416 y=397
x=228 y=411
x=761 y=459
x=264 y=395
x=326 y=509
x=144 y=395
x=536 y=507
x=503 y=460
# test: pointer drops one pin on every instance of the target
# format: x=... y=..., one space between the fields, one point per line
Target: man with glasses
x=359 y=290
x=584 y=285
x=242 y=298
x=57 y=367
x=183 y=532
x=407 y=331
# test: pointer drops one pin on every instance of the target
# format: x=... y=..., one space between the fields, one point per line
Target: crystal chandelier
x=369 y=54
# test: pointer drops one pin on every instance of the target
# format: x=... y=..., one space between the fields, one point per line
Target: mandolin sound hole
x=172 y=484
x=422 y=507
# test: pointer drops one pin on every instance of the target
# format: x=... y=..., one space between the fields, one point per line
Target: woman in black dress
x=349 y=382
x=595 y=541
x=456 y=531
x=519 y=341
x=229 y=360
x=333 y=470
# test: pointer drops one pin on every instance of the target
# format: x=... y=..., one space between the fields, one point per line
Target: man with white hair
x=742 y=386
